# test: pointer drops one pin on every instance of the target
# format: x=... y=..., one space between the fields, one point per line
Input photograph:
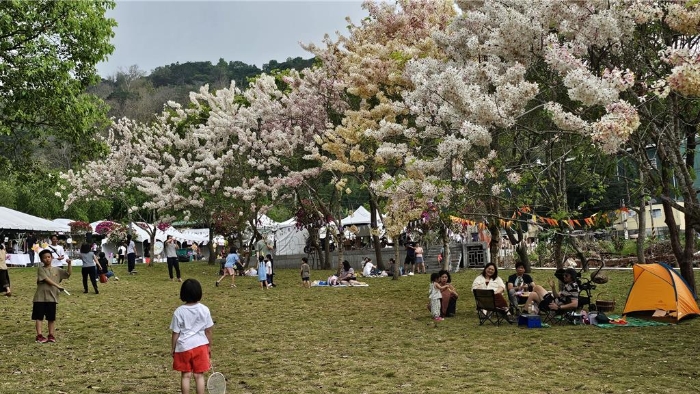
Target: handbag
x=103 y=278
x=601 y=318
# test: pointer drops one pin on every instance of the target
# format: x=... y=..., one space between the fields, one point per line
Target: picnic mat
x=318 y=283
x=631 y=322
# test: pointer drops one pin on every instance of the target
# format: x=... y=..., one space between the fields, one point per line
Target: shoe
x=233 y=285
x=179 y=280
x=51 y=339
x=97 y=291
x=217 y=284
x=438 y=318
x=84 y=291
x=41 y=339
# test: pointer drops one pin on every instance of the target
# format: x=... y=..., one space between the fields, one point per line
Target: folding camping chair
x=585 y=285
x=486 y=308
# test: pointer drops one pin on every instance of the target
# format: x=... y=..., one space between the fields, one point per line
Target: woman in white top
x=488 y=279
x=367 y=267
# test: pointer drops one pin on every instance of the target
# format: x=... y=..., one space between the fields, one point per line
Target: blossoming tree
x=616 y=64
x=370 y=62
x=227 y=150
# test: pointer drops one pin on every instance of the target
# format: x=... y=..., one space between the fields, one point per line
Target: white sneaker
x=410 y=274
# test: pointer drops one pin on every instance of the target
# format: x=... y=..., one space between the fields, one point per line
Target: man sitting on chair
x=518 y=283
x=566 y=299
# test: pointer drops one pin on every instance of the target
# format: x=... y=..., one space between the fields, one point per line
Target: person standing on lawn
x=171 y=258
x=262 y=272
x=271 y=279
x=305 y=272
x=420 y=263
x=121 y=252
x=57 y=253
x=31 y=241
x=45 y=300
x=191 y=338
x=4 y=274
x=90 y=264
x=268 y=270
x=130 y=255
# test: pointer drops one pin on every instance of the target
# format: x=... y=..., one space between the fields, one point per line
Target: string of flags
x=589 y=221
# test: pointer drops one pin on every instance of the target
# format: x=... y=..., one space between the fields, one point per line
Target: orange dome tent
x=658 y=288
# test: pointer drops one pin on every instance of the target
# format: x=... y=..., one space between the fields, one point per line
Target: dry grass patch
x=376 y=339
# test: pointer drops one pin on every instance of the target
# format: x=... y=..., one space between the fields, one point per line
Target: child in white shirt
x=435 y=296
x=191 y=339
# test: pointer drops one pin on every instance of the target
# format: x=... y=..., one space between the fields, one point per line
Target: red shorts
x=194 y=360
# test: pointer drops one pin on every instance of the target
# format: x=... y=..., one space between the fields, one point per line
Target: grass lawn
x=376 y=339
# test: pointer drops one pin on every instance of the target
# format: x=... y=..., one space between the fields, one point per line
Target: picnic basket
x=603 y=305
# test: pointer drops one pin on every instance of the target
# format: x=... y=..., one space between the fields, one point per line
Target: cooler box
x=529 y=321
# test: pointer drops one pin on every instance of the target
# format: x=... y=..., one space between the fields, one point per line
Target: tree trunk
x=341 y=241
x=683 y=253
x=211 y=246
x=579 y=254
x=495 y=244
x=520 y=246
x=397 y=270
x=373 y=206
x=446 y=255
x=557 y=249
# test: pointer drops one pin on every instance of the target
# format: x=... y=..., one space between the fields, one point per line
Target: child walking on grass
x=48 y=287
x=192 y=336
x=229 y=268
x=435 y=296
x=305 y=272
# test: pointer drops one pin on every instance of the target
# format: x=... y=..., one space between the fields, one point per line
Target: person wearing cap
x=565 y=299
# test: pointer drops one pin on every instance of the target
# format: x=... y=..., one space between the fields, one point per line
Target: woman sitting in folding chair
x=489 y=280
x=564 y=300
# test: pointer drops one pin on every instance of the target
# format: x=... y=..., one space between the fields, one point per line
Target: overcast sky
x=158 y=33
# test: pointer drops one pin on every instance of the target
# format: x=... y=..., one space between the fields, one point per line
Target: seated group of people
x=371 y=270
x=521 y=287
x=443 y=295
x=345 y=277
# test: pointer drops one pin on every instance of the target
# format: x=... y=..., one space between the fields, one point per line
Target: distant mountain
x=137 y=95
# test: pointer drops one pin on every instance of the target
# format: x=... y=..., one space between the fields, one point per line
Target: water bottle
x=532 y=309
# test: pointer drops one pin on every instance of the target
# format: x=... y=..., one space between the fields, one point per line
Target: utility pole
x=624 y=220
x=651 y=216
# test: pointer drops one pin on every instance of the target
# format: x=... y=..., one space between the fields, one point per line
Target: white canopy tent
x=64 y=222
x=15 y=220
x=265 y=226
x=361 y=219
x=141 y=235
x=289 y=238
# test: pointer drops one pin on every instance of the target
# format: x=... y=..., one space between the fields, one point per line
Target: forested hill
x=137 y=95
x=200 y=73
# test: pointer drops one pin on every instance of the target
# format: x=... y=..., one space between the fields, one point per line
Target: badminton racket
x=65 y=291
x=216 y=384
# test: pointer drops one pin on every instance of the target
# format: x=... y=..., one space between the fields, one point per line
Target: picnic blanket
x=616 y=321
x=323 y=283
